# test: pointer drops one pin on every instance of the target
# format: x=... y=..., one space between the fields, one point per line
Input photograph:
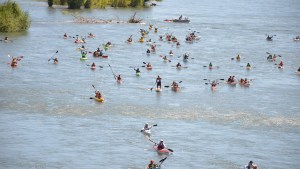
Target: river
x=47 y=119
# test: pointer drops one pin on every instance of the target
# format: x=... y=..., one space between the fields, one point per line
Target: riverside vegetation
x=76 y=4
x=13 y=18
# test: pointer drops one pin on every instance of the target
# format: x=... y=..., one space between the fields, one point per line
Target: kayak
x=149 y=68
x=14 y=65
x=214 y=87
x=298 y=72
x=138 y=74
x=245 y=84
x=119 y=81
x=248 y=67
x=99 y=100
x=141 y=40
x=171 y=54
x=210 y=67
x=146 y=132
x=104 y=56
x=280 y=67
x=295 y=39
x=83 y=58
x=175 y=89
x=93 y=67
x=55 y=62
x=232 y=83
x=162 y=151
x=158 y=89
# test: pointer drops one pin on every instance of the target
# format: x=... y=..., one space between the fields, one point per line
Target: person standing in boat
x=158 y=82
x=180 y=17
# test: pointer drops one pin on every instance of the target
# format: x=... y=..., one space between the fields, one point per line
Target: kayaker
x=6 y=38
x=155 y=30
x=178 y=65
x=14 y=62
x=151 y=165
x=238 y=57
x=245 y=81
x=148 y=65
x=248 y=65
x=55 y=60
x=158 y=82
x=160 y=37
x=148 y=51
x=274 y=57
x=177 y=44
x=146 y=127
x=251 y=165
x=137 y=70
x=93 y=64
x=83 y=54
x=232 y=79
x=269 y=57
x=91 y=35
x=98 y=94
x=214 y=83
x=82 y=47
x=281 y=63
x=185 y=56
x=165 y=58
x=83 y=40
x=171 y=52
x=298 y=69
x=174 y=84
x=229 y=79
x=242 y=81
x=210 y=64
x=119 y=78
x=65 y=35
x=180 y=17
x=161 y=145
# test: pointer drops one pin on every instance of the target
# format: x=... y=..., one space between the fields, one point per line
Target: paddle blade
x=170 y=150
x=162 y=160
x=167 y=86
x=94 y=87
x=155 y=125
x=91 y=98
x=57 y=51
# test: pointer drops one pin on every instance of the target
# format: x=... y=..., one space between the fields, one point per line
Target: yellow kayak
x=99 y=100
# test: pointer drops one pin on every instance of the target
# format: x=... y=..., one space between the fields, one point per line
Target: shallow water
x=48 y=121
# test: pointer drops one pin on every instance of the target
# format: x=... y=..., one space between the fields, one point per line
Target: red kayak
x=162 y=151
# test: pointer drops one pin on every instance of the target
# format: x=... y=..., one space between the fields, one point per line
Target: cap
x=161 y=140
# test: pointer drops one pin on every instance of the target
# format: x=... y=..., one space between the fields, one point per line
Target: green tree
x=13 y=19
x=50 y=3
x=75 y=4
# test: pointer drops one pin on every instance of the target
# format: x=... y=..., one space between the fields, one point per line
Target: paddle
x=53 y=56
x=112 y=71
x=95 y=91
x=164 y=58
x=153 y=86
x=171 y=85
x=161 y=161
x=149 y=127
x=157 y=144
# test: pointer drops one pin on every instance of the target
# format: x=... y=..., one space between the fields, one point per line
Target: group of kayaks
x=146 y=130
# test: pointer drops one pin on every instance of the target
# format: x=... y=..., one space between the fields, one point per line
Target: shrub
x=13 y=19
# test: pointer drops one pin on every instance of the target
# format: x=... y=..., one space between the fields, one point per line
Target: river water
x=48 y=121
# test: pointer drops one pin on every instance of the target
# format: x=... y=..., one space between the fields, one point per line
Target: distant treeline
x=76 y=4
x=13 y=19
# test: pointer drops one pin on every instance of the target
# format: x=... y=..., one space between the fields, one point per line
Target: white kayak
x=158 y=89
x=146 y=132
